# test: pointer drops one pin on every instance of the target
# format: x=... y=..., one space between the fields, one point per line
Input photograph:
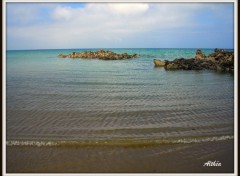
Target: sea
x=53 y=101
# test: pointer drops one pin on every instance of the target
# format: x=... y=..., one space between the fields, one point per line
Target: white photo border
x=4 y=31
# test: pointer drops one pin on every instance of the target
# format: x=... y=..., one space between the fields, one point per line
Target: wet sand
x=177 y=158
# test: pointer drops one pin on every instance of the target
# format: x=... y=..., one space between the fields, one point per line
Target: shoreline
x=176 y=158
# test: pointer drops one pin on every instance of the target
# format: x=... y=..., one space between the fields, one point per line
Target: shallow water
x=82 y=100
x=181 y=158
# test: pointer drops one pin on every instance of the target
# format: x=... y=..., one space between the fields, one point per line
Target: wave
x=117 y=142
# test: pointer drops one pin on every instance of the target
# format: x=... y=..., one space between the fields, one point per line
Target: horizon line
x=111 y=48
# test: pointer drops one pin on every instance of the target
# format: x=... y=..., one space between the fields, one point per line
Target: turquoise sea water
x=79 y=100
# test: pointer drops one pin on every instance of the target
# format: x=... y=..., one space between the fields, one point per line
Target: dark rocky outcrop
x=220 y=60
x=100 y=54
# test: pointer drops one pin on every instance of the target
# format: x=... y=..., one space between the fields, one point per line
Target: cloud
x=129 y=8
x=115 y=25
x=62 y=13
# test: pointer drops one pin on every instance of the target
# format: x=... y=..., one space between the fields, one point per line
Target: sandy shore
x=178 y=158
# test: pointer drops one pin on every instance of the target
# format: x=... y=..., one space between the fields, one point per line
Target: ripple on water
x=86 y=99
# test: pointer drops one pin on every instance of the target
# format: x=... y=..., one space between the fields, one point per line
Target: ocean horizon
x=107 y=48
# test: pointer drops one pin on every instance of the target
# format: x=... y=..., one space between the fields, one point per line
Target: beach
x=179 y=158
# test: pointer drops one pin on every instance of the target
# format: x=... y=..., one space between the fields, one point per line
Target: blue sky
x=119 y=25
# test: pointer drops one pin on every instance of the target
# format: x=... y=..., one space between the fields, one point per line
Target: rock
x=219 y=68
x=216 y=50
x=220 y=60
x=100 y=54
x=211 y=59
x=159 y=63
x=199 y=54
x=62 y=56
x=171 y=66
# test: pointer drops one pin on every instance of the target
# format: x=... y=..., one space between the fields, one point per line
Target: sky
x=119 y=25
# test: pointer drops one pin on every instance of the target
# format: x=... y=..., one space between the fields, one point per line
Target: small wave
x=200 y=140
x=125 y=142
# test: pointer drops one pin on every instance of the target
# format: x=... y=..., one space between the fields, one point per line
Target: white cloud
x=62 y=13
x=128 y=8
x=108 y=25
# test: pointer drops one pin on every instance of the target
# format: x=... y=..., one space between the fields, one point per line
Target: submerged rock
x=100 y=54
x=220 y=60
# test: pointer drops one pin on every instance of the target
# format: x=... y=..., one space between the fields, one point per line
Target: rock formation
x=100 y=54
x=159 y=63
x=220 y=60
x=200 y=54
